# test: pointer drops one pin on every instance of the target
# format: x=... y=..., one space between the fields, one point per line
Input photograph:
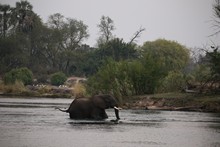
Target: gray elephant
x=92 y=108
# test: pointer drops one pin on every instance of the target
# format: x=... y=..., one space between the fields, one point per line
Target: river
x=33 y=122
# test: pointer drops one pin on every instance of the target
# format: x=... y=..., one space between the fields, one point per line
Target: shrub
x=79 y=90
x=173 y=82
x=44 y=89
x=21 y=74
x=58 y=78
x=126 y=78
x=17 y=87
x=111 y=78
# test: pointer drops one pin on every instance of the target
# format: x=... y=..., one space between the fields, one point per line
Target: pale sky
x=185 y=21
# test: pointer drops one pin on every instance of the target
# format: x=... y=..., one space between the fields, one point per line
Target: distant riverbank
x=175 y=102
x=166 y=101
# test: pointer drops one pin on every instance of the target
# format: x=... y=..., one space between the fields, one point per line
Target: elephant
x=92 y=108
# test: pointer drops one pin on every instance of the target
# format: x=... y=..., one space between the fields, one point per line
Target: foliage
x=26 y=41
x=79 y=90
x=151 y=74
x=114 y=66
x=201 y=73
x=216 y=19
x=58 y=78
x=117 y=49
x=126 y=78
x=171 y=54
x=173 y=82
x=22 y=74
x=214 y=61
x=17 y=87
x=110 y=78
x=106 y=27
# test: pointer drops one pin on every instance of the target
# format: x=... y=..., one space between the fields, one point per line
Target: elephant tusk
x=117 y=108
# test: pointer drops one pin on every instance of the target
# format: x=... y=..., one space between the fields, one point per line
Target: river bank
x=165 y=101
x=175 y=102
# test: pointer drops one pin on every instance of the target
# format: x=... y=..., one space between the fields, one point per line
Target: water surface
x=35 y=123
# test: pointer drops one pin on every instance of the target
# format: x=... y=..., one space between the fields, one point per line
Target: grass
x=17 y=87
x=79 y=90
x=172 y=95
x=210 y=102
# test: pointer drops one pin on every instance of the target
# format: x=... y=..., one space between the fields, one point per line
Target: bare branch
x=137 y=34
x=216 y=20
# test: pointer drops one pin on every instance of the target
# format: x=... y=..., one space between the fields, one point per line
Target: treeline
x=114 y=66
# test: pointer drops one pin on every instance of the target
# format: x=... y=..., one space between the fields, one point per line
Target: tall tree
x=56 y=21
x=214 y=60
x=4 y=19
x=106 y=27
x=216 y=19
x=117 y=49
x=75 y=32
x=66 y=37
x=23 y=16
x=173 y=55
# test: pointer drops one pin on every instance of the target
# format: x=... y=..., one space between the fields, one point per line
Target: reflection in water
x=35 y=122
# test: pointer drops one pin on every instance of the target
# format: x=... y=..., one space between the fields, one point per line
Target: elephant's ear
x=99 y=101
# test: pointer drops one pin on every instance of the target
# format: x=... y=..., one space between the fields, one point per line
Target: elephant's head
x=105 y=102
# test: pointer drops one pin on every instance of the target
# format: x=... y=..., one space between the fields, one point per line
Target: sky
x=189 y=22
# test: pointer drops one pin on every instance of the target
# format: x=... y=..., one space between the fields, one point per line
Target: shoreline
x=176 y=102
x=163 y=102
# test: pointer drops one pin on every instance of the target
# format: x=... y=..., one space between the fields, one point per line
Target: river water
x=35 y=123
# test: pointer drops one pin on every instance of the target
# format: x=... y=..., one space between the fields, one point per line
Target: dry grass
x=1 y=86
x=17 y=87
x=79 y=90
x=45 y=89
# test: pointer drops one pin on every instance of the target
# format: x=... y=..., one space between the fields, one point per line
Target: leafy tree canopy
x=171 y=54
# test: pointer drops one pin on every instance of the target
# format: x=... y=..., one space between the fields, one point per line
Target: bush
x=112 y=79
x=17 y=87
x=126 y=78
x=21 y=74
x=173 y=82
x=79 y=90
x=58 y=78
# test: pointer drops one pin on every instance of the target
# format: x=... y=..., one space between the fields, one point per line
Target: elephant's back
x=80 y=104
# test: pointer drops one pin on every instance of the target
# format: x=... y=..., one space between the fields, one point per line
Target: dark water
x=35 y=123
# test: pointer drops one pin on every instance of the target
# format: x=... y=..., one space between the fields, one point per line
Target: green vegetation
x=21 y=74
x=114 y=66
x=155 y=69
x=58 y=78
x=16 y=88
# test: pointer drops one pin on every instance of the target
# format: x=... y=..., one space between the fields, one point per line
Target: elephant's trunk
x=117 y=112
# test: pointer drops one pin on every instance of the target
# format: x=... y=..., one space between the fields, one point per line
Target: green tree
x=214 y=64
x=106 y=27
x=56 y=21
x=117 y=49
x=66 y=36
x=216 y=19
x=23 y=16
x=21 y=74
x=172 y=55
x=12 y=54
x=214 y=61
x=58 y=78
x=174 y=81
x=4 y=19
x=127 y=77
x=111 y=78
